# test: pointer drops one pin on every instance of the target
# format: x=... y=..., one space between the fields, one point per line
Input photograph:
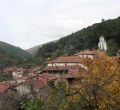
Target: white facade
x=17 y=75
x=63 y=64
x=86 y=56
x=102 y=45
x=67 y=64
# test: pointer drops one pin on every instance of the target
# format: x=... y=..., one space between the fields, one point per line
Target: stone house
x=86 y=54
x=68 y=67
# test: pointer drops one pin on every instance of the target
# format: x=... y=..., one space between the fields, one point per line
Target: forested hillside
x=33 y=50
x=87 y=38
x=11 y=55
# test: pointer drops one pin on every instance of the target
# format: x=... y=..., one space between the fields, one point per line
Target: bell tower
x=102 y=45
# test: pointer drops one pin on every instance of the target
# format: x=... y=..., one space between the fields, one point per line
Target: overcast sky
x=27 y=23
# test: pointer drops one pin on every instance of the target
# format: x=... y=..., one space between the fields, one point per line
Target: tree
x=100 y=90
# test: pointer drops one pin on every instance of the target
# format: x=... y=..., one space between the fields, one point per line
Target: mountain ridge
x=86 y=38
x=10 y=54
x=34 y=49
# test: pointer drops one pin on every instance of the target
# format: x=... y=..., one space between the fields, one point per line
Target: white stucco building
x=66 y=61
x=102 y=45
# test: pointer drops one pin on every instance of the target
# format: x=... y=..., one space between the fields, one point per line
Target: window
x=51 y=83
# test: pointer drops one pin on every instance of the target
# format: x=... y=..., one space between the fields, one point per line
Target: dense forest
x=11 y=55
x=87 y=38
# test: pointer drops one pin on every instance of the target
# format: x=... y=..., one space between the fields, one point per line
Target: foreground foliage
x=100 y=90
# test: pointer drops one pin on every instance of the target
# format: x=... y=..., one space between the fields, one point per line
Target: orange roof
x=3 y=87
x=41 y=80
x=37 y=82
x=49 y=76
x=60 y=68
x=85 y=52
x=67 y=59
x=72 y=73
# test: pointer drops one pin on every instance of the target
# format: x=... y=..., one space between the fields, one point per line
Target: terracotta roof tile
x=3 y=87
x=41 y=80
x=72 y=73
x=37 y=82
x=58 y=68
x=49 y=76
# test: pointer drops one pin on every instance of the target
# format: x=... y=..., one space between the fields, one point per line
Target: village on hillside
x=37 y=81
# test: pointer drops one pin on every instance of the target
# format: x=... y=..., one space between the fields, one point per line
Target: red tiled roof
x=9 y=69
x=67 y=59
x=41 y=80
x=37 y=82
x=58 y=68
x=14 y=69
x=49 y=76
x=72 y=73
x=3 y=87
x=85 y=52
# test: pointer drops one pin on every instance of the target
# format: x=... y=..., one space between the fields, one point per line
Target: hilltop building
x=102 y=45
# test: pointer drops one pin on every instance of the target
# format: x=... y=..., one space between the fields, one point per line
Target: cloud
x=26 y=23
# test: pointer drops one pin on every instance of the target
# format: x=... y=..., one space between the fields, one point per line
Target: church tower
x=102 y=45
